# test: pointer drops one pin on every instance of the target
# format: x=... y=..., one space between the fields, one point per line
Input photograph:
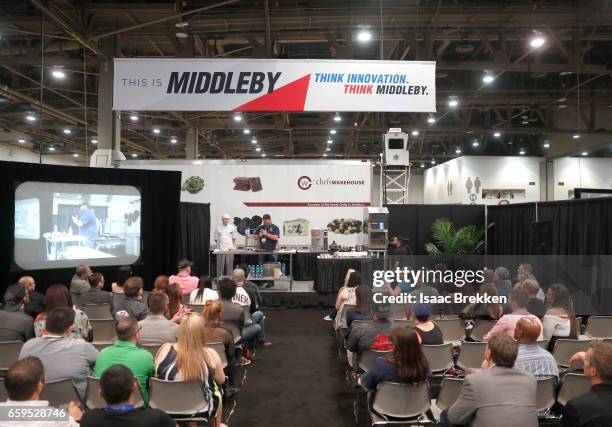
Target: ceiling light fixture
x=173 y=140
x=156 y=131
x=458 y=150
x=364 y=35
x=263 y=154
x=475 y=143
x=75 y=155
x=134 y=155
x=497 y=134
x=415 y=133
x=237 y=117
x=246 y=131
x=328 y=149
x=21 y=141
x=422 y=165
x=546 y=145
x=453 y=102
x=337 y=118
x=94 y=141
x=488 y=78
x=67 y=131
x=576 y=136
x=254 y=141
x=584 y=153
x=332 y=131
x=522 y=152
x=433 y=161
x=258 y=149
x=537 y=40
x=324 y=154
x=31 y=118
x=329 y=141
x=431 y=120
x=134 y=118
x=58 y=74
x=51 y=148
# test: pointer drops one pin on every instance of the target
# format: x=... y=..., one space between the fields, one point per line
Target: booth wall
x=578 y=172
x=446 y=183
x=159 y=222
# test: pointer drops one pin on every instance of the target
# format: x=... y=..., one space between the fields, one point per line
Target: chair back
x=367 y=358
x=440 y=356
x=60 y=392
x=401 y=400
x=481 y=328
x=573 y=385
x=543 y=344
x=93 y=400
x=117 y=298
x=599 y=327
x=219 y=347
x=233 y=328
x=449 y=392
x=398 y=311
x=565 y=349
x=103 y=330
x=340 y=321
x=196 y=308
x=151 y=348
x=444 y=316
x=452 y=329
x=471 y=355
x=247 y=314
x=546 y=395
x=145 y=297
x=3 y=392
x=97 y=311
x=357 y=324
x=402 y=323
x=9 y=353
x=177 y=397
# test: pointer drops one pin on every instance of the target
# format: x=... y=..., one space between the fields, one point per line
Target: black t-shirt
x=139 y=417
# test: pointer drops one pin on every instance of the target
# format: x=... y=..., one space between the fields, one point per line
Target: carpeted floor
x=300 y=380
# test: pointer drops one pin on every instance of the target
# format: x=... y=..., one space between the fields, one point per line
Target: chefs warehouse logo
x=305 y=182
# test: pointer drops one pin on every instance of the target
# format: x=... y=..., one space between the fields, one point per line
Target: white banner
x=164 y=84
x=299 y=195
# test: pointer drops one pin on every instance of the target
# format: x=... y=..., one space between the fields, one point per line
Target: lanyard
x=119 y=409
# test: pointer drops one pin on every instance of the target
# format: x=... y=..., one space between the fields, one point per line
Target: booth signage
x=164 y=84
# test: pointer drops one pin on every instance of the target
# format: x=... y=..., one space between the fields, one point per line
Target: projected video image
x=61 y=224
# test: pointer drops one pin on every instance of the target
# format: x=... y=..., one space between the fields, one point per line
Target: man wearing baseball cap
x=225 y=236
x=15 y=325
x=186 y=281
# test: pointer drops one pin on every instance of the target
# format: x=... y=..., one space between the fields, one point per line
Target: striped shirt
x=537 y=361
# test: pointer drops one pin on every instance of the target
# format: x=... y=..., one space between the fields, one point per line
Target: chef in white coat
x=225 y=237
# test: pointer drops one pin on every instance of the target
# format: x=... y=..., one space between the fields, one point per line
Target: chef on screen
x=88 y=224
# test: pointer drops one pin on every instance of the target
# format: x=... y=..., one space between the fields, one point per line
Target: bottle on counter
x=283 y=269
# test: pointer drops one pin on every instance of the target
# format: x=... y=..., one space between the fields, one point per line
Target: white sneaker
x=329 y=319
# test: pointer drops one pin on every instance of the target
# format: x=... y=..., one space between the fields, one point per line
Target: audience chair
x=366 y=359
x=145 y=297
x=565 y=349
x=452 y=329
x=359 y=324
x=449 y=392
x=440 y=357
x=546 y=395
x=398 y=311
x=342 y=314
x=401 y=323
x=480 y=329
x=151 y=348
x=573 y=385
x=60 y=392
x=471 y=355
x=101 y=345
x=599 y=327
x=103 y=331
x=233 y=328
x=607 y=341
x=196 y=308
x=186 y=299
x=98 y=311
x=219 y=347
x=395 y=403
x=9 y=354
x=93 y=400
x=444 y=316
x=3 y=392
x=543 y=344
x=182 y=400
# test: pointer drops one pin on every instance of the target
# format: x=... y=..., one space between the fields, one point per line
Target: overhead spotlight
x=237 y=117
x=453 y=102
x=134 y=117
x=488 y=78
x=522 y=152
x=134 y=155
x=431 y=120
x=258 y=149
x=497 y=134
x=337 y=118
x=562 y=99
x=355 y=124
x=433 y=161
x=58 y=73
x=324 y=154
x=415 y=133
x=475 y=143
x=329 y=141
x=364 y=35
x=537 y=40
x=254 y=141
x=156 y=131
x=173 y=140
x=67 y=131
x=576 y=136
x=546 y=145
x=328 y=149
x=565 y=73
x=584 y=153
x=30 y=118
x=21 y=141
x=422 y=165
x=246 y=131
x=332 y=131
x=562 y=106
x=94 y=141
x=458 y=150
x=263 y=154
x=51 y=148
x=75 y=155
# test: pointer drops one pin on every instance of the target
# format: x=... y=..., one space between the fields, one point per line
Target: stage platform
x=302 y=295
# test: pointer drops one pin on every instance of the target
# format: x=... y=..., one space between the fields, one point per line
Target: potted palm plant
x=448 y=242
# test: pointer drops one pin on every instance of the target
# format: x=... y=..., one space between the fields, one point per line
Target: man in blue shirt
x=268 y=237
x=88 y=224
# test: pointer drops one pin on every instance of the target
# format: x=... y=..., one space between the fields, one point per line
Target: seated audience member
x=243 y=299
x=497 y=395
x=483 y=311
x=96 y=294
x=524 y=267
x=427 y=331
x=517 y=299
x=15 y=325
x=176 y=308
x=125 y=352
x=132 y=304
x=80 y=283
x=363 y=305
x=503 y=285
x=531 y=357
x=407 y=364
x=213 y=316
x=364 y=338
x=35 y=304
x=333 y=312
x=123 y=273
x=62 y=355
x=593 y=409
x=186 y=281
x=117 y=388
x=190 y=360
x=60 y=296
x=24 y=384
x=346 y=296
x=252 y=289
x=559 y=320
x=156 y=329
x=204 y=292
x=423 y=288
x=161 y=284
x=535 y=305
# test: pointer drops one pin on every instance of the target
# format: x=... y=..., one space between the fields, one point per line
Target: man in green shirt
x=125 y=352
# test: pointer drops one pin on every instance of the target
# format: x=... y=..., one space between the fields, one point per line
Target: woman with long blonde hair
x=190 y=360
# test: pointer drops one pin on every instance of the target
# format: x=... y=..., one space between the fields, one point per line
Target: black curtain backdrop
x=414 y=221
x=511 y=234
x=195 y=235
x=160 y=191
